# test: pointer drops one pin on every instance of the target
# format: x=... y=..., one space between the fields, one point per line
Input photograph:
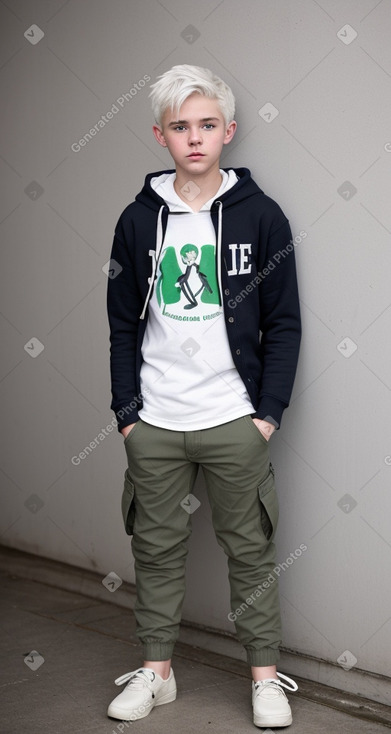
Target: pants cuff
x=263 y=657
x=158 y=650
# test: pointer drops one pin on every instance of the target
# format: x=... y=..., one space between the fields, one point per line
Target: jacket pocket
x=269 y=505
x=127 y=504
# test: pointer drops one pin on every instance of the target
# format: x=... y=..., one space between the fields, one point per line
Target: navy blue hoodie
x=257 y=283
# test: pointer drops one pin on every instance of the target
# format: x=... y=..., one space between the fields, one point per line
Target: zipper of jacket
x=218 y=248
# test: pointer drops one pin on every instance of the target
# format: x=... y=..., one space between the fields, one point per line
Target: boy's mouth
x=196 y=155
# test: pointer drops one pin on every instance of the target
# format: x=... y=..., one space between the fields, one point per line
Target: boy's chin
x=203 y=165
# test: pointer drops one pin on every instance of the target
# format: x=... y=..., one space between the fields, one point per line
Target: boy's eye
x=207 y=126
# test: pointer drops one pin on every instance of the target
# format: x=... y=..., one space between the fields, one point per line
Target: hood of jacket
x=244 y=188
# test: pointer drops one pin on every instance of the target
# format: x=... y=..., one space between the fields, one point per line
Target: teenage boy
x=203 y=262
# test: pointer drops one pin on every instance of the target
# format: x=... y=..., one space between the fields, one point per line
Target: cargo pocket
x=269 y=505
x=127 y=504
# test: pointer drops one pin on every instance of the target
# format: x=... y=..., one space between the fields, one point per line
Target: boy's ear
x=230 y=132
x=157 y=131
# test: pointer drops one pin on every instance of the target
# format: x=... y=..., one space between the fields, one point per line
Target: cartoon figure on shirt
x=192 y=277
x=198 y=280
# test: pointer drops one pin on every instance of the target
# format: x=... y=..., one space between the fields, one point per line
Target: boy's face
x=196 y=136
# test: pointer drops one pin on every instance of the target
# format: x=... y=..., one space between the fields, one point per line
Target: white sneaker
x=145 y=690
x=270 y=704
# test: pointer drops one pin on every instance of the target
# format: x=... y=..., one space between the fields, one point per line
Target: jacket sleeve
x=124 y=308
x=280 y=324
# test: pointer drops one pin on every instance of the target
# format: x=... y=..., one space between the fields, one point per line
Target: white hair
x=177 y=84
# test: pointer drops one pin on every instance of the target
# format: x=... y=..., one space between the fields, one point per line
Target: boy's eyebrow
x=186 y=122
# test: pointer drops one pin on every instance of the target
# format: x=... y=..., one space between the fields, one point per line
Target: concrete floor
x=81 y=645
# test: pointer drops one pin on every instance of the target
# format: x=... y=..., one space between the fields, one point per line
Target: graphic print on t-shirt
x=187 y=281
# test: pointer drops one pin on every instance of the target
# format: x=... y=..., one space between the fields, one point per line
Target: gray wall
x=326 y=159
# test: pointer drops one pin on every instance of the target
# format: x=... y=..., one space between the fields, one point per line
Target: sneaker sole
x=168 y=698
x=141 y=711
x=273 y=721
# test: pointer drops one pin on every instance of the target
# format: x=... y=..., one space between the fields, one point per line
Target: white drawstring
x=155 y=258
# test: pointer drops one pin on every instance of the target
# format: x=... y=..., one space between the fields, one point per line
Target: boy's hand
x=264 y=427
x=127 y=429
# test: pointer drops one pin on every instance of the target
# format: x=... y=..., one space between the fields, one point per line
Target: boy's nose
x=195 y=137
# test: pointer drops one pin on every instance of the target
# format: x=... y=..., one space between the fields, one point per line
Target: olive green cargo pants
x=157 y=509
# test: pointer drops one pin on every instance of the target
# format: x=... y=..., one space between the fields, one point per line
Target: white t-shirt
x=188 y=377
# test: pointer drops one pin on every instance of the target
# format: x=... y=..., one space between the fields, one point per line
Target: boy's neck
x=208 y=185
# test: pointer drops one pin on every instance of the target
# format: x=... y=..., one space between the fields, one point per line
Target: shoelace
x=137 y=678
x=292 y=687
